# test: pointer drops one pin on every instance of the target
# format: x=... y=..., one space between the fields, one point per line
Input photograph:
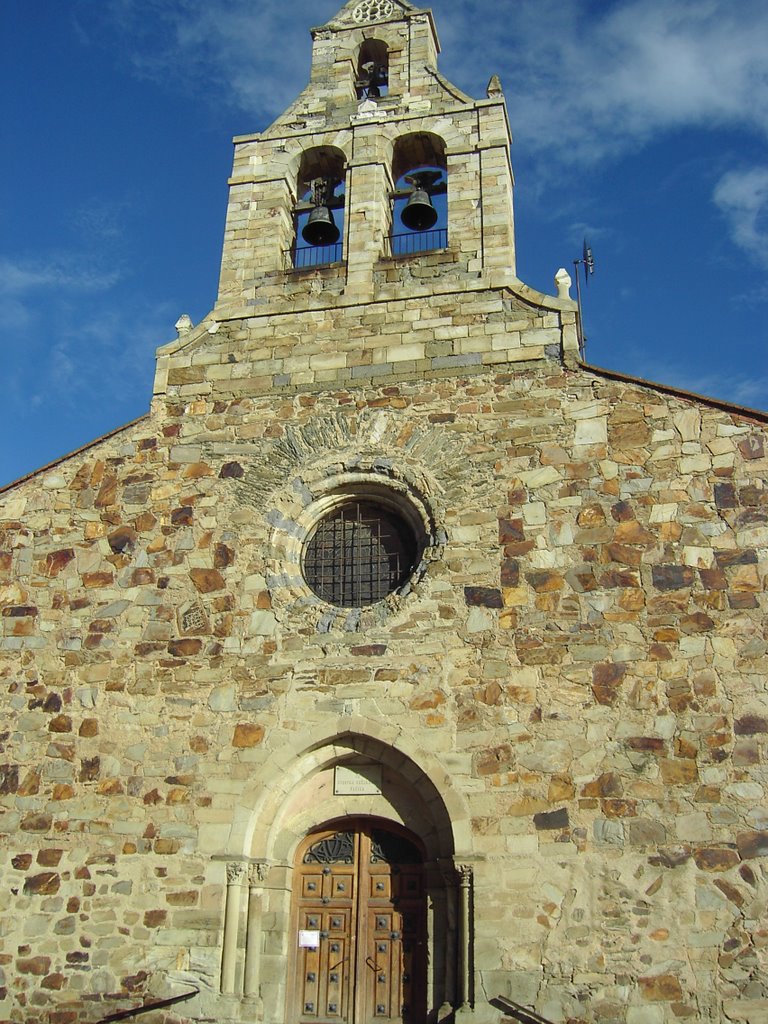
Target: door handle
x=370 y=962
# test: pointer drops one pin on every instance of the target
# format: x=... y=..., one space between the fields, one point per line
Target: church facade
x=397 y=666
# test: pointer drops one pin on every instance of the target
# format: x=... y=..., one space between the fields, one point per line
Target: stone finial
x=494 y=87
x=563 y=281
x=183 y=325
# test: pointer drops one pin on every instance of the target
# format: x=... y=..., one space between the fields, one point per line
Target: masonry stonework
x=564 y=709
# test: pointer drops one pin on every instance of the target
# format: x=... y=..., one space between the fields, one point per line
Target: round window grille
x=359 y=553
x=370 y=10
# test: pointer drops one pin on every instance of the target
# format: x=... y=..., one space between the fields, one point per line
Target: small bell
x=419 y=213
x=320 y=228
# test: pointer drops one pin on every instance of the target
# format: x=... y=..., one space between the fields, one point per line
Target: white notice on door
x=309 y=940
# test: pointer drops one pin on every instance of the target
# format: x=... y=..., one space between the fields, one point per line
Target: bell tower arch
x=374 y=83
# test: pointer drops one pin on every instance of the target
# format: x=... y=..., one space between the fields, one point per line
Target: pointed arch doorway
x=360 y=921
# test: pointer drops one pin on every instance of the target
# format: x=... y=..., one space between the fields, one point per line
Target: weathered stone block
x=511 y=530
x=9 y=779
x=672 y=577
x=678 y=772
x=247 y=734
x=47 y=883
x=715 y=859
x=494 y=760
x=606 y=682
x=661 y=988
x=751 y=725
x=35 y=965
x=752 y=844
x=552 y=820
x=483 y=597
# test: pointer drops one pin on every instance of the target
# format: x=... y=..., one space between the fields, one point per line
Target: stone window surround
x=309 y=499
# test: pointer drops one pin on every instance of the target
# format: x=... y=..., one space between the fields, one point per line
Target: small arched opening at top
x=372 y=80
x=319 y=210
x=420 y=199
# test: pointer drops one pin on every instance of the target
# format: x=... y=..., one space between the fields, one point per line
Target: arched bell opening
x=420 y=198
x=372 y=80
x=319 y=211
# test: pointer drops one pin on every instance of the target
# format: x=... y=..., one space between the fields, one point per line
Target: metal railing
x=411 y=243
x=520 y=1013
x=305 y=257
x=138 y=1010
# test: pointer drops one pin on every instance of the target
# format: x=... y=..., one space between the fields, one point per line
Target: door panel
x=362 y=891
x=324 y=970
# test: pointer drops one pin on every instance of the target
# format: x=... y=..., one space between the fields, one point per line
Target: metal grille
x=304 y=256
x=413 y=242
x=358 y=554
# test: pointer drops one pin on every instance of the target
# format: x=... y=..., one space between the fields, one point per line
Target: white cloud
x=69 y=272
x=33 y=289
x=55 y=342
x=590 y=82
x=254 y=56
x=584 y=81
x=106 y=349
x=743 y=197
x=749 y=390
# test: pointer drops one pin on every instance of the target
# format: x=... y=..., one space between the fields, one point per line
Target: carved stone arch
x=372 y=68
x=319 y=161
x=417 y=149
x=300 y=153
x=320 y=189
x=261 y=814
x=419 y=208
x=292 y=796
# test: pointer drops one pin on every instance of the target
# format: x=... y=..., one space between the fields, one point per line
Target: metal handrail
x=415 y=243
x=520 y=1013
x=310 y=257
x=138 y=1010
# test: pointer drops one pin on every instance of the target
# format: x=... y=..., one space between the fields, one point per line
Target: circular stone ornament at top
x=373 y=10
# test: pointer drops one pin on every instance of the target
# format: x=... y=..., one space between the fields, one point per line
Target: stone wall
x=582 y=662
x=418 y=325
x=566 y=702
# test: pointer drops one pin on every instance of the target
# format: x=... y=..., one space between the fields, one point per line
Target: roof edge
x=668 y=389
x=759 y=415
x=72 y=454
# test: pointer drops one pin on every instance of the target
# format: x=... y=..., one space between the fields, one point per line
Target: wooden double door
x=360 y=945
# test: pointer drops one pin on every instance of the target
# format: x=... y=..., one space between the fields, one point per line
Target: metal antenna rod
x=581 y=335
x=588 y=262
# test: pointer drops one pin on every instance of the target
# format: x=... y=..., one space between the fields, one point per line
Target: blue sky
x=640 y=123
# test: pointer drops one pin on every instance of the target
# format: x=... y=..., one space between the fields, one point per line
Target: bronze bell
x=419 y=213
x=321 y=228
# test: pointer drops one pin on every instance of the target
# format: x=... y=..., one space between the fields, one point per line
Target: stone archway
x=346 y=776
